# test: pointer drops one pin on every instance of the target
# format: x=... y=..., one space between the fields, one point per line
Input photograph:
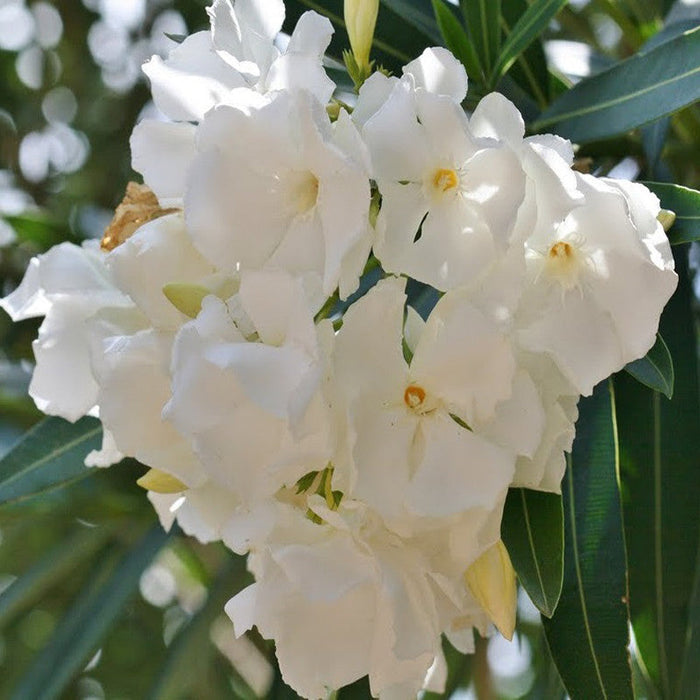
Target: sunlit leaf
x=634 y=92
x=483 y=18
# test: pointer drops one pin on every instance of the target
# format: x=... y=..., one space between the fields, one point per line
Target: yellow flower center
x=563 y=262
x=414 y=396
x=445 y=180
x=306 y=192
x=561 y=252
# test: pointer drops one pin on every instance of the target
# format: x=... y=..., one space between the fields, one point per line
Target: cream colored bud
x=186 y=298
x=491 y=580
x=360 y=20
x=666 y=218
x=160 y=482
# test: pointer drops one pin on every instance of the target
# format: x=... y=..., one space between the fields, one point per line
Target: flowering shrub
x=337 y=330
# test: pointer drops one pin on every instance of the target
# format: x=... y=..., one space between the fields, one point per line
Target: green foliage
x=588 y=633
x=48 y=456
x=533 y=532
x=655 y=369
x=685 y=204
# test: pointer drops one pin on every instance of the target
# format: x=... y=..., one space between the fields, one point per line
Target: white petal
x=162 y=153
x=438 y=71
x=496 y=117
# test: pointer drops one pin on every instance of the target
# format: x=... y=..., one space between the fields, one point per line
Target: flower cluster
x=356 y=443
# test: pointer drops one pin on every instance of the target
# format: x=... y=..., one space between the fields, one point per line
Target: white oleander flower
x=452 y=188
x=275 y=185
x=238 y=51
x=409 y=455
x=67 y=285
x=345 y=597
x=596 y=282
x=246 y=387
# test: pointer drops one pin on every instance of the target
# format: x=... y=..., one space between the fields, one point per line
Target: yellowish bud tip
x=360 y=20
x=491 y=580
x=186 y=298
x=666 y=218
x=160 y=482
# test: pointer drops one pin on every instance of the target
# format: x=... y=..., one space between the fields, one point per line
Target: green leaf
x=529 y=71
x=48 y=456
x=419 y=14
x=39 y=228
x=483 y=18
x=456 y=38
x=530 y=25
x=53 y=566
x=588 y=635
x=631 y=93
x=659 y=467
x=533 y=532
x=190 y=650
x=688 y=687
x=685 y=203
x=80 y=631
x=655 y=369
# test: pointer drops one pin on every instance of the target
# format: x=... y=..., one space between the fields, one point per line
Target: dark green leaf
x=39 y=228
x=530 y=25
x=634 y=92
x=588 y=635
x=483 y=18
x=655 y=369
x=53 y=566
x=533 y=532
x=456 y=38
x=530 y=69
x=189 y=652
x=685 y=203
x=689 y=688
x=80 y=631
x=419 y=13
x=659 y=467
x=50 y=455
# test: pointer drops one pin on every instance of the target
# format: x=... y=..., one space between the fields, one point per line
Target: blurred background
x=71 y=90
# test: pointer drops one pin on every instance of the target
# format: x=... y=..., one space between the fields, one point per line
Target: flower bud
x=491 y=580
x=360 y=19
x=160 y=482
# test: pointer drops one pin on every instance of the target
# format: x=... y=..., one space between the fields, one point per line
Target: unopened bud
x=666 y=218
x=360 y=20
x=160 y=482
x=491 y=580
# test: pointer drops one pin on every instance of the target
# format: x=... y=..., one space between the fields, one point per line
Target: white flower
x=238 y=52
x=347 y=598
x=410 y=456
x=246 y=387
x=274 y=186
x=597 y=282
x=67 y=285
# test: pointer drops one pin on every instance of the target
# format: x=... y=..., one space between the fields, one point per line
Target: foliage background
x=70 y=93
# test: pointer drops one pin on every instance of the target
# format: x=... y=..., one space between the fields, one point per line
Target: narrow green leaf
x=588 y=635
x=659 y=467
x=53 y=566
x=189 y=652
x=533 y=532
x=39 y=228
x=685 y=203
x=634 y=92
x=530 y=69
x=456 y=38
x=50 y=455
x=530 y=25
x=655 y=369
x=80 y=631
x=688 y=686
x=418 y=13
x=483 y=18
